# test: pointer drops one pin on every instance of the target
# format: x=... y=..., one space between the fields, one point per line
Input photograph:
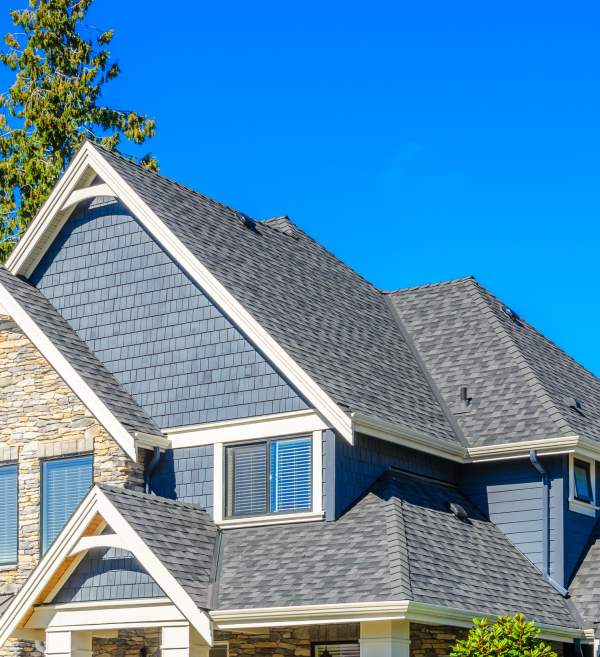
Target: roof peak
x=452 y=281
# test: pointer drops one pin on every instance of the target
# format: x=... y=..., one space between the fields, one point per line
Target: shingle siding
x=186 y=475
x=108 y=574
x=161 y=337
x=358 y=466
x=511 y=495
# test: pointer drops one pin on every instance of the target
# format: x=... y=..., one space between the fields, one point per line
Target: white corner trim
x=407 y=437
x=254 y=428
x=27 y=253
x=103 y=540
x=240 y=619
x=316 y=513
x=86 y=193
x=71 y=377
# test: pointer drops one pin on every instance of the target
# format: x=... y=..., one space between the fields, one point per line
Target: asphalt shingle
x=79 y=356
x=585 y=587
x=517 y=379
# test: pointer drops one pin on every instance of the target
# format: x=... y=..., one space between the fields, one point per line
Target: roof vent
x=575 y=404
x=458 y=510
x=510 y=313
x=247 y=221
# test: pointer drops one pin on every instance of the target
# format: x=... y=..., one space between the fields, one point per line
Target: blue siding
x=186 y=475
x=578 y=527
x=511 y=494
x=358 y=466
x=163 y=339
x=108 y=574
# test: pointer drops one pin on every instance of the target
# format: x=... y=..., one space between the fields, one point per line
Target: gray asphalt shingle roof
x=517 y=379
x=337 y=326
x=181 y=535
x=585 y=586
x=399 y=542
x=79 y=356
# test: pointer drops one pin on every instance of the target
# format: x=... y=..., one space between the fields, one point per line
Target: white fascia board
x=264 y=426
x=28 y=252
x=407 y=437
x=44 y=571
x=521 y=449
x=71 y=377
x=240 y=619
x=152 y=564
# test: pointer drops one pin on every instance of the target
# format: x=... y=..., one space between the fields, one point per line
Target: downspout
x=545 y=522
x=150 y=469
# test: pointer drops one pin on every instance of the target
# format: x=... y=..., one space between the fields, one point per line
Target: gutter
x=533 y=458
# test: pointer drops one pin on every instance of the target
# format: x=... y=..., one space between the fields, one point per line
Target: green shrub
x=508 y=636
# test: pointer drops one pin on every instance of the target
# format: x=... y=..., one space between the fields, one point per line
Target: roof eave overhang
x=84 y=167
x=418 y=612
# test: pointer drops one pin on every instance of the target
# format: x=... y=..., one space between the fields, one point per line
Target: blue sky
x=419 y=141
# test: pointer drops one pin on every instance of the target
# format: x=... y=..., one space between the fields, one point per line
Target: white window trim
x=579 y=506
x=275 y=518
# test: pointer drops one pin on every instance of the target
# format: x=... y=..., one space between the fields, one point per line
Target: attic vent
x=458 y=510
x=510 y=313
x=247 y=221
x=575 y=404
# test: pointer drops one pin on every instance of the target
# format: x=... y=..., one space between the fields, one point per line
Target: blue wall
x=163 y=339
x=108 y=574
x=358 y=466
x=511 y=494
x=186 y=475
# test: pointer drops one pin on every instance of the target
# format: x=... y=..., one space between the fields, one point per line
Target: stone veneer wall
x=41 y=417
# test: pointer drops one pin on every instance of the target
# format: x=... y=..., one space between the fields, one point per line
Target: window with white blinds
x=9 y=514
x=269 y=477
x=65 y=483
x=336 y=649
x=291 y=473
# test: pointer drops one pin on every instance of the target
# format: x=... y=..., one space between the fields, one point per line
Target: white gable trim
x=66 y=371
x=29 y=250
x=97 y=503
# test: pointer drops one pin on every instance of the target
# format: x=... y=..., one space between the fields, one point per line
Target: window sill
x=280 y=519
x=8 y=566
x=586 y=508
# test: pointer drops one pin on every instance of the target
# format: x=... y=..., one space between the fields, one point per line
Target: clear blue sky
x=419 y=141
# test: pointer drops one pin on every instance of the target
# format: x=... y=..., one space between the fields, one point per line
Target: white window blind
x=65 y=484
x=247 y=472
x=9 y=513
x=337 y=649
x=291 y=475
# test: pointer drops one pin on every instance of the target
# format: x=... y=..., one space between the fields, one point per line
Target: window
x=336 y=649
x=583 y=481
x=9 y=514
x=269 y=477
x=65 y=483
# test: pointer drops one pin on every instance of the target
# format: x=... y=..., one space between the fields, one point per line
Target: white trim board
x=356 y=612
x=97 y=503
x=30 y=248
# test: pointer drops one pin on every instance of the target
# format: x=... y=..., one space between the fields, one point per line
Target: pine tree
x=53 y=105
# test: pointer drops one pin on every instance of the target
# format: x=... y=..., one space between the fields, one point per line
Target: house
x=216 y=439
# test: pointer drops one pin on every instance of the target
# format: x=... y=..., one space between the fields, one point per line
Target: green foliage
x=52 y=106
x=509 y=636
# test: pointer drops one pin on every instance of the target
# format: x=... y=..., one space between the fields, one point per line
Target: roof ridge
x=397 y=548
x=519 y=357
x=451 y=281
x=129 y=159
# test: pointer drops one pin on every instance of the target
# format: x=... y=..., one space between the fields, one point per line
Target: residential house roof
x=399 y=542
x=521 y=386
x=76 y=352
x=331 y=321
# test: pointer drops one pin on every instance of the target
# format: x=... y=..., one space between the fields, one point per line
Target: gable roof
x=585 y=586
x=516 y=378
x=31 y=306
x=172 y=541
x=400 y=542
x=330 y=320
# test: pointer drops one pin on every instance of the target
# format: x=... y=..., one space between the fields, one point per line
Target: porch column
x=385 y=639
x=68 y=644
x=182 y=641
